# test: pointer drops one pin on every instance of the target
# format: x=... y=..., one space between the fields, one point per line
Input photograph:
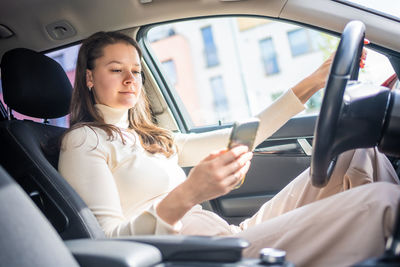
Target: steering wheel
x=345 y=67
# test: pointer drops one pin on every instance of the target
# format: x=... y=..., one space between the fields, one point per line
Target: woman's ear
x=89 y=78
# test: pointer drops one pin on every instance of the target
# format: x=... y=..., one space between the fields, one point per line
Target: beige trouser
x=329 y=227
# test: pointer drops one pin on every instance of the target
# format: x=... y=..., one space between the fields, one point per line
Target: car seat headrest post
x=10 y=116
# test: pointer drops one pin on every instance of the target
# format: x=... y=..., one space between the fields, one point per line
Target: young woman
x=128 y=170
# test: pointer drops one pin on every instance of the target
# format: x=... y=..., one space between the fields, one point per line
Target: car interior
x=46 y=223
x=35 y=146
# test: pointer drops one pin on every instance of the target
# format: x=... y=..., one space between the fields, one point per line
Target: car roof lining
x=84 y=17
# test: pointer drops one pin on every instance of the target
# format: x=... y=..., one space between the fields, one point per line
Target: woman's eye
x=136 y=73
x=116 y=70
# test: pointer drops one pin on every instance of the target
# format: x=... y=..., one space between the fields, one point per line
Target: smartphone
x=244 y=133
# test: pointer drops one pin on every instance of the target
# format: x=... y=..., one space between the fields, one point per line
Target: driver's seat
x=36 y=86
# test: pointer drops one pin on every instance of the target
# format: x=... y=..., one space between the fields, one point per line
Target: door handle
x=305 y=146
x=299 y=147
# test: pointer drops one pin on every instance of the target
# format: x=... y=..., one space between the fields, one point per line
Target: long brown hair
x=83 y=112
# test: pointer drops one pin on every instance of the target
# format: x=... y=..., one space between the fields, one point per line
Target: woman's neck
x=114 y=116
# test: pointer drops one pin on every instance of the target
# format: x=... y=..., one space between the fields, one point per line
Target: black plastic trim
x=195 y=248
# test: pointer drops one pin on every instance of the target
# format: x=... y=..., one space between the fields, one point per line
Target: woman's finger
x=232 y=154
x=235 y=178
x=237 y=164
x=215 y=154
x=245 y=169
x=363 y=58
x=364 y=53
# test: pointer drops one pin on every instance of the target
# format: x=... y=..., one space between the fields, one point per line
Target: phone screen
x=244 y=133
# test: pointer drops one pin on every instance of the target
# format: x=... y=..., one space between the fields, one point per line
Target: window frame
x=370 y=10
x=178 y=110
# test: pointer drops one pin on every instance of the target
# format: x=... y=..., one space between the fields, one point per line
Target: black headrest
x=34 y=84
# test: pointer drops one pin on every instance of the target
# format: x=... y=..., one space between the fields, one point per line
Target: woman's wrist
x=175 y=205
x=314 y=82
x=186 y=195
x=305 y=89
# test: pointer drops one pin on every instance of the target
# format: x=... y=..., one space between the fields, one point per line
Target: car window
x=230 y=68
x=66 y=57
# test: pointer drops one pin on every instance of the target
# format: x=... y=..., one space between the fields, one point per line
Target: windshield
x=389 y=8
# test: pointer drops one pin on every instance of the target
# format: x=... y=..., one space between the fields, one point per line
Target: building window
x=220 y=101
x=170 y=70
x=210 y=49
x=300 y=42
x=269 y=57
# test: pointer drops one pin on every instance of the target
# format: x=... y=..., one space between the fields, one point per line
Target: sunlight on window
x=229 y=68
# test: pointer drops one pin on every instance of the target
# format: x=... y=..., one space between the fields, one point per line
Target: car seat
x=37 y=86
x=27 y=239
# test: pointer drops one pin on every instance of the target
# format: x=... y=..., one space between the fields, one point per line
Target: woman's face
x=116 y=79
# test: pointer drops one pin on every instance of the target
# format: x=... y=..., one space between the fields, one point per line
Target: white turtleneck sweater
x=123 y=183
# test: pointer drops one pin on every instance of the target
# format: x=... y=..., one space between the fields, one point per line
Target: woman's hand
x=314 y=82
x=214 y=176
x=317 y=80
x=218 y=174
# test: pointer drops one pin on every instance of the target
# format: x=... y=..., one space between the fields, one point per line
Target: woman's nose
x=130 y=78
